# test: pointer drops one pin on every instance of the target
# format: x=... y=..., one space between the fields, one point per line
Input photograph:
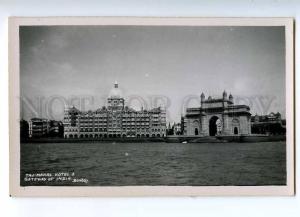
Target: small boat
x=184 y=142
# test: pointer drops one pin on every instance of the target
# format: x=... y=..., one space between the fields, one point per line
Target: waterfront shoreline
x=169 y=139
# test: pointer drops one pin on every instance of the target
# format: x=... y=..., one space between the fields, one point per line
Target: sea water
x=175 y=164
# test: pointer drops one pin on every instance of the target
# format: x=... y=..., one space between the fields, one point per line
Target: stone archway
x=236 y=126
x=236 y=131
x=196 y=127
x=213 y=126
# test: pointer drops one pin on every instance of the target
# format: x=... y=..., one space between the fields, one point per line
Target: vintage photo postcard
x=129 y=106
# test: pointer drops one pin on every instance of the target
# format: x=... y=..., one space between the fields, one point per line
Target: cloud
x=171 y=61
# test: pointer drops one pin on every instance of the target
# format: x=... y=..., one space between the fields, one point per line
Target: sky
x=155 y=66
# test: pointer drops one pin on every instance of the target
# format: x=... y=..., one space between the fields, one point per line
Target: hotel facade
x=114 y=120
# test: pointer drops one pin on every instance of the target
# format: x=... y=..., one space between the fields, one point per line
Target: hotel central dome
x=115 y=92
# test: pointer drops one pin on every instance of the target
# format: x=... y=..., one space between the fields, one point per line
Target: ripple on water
x=106 y=164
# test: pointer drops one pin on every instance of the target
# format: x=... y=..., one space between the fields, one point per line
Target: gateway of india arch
x=217 y=116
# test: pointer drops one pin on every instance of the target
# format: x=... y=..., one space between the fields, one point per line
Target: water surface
x=122 y=164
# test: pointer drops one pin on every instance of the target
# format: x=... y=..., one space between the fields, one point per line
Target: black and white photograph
x=133 y=102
